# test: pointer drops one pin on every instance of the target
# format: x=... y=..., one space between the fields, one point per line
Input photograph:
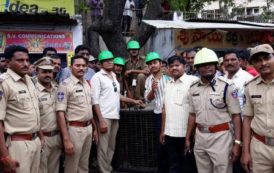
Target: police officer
x=51 y=150
x=74 y=106
x=19 y=115
x=215 y=108
x=258 y=123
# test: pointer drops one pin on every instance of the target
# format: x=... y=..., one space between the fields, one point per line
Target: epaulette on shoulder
x=194 y=83
x=3 y=77
x=255 y=78
x=65 y=82
x=223 y=79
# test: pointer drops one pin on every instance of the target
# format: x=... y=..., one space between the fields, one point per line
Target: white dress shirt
x=240 y=79
x=177 y=105
x=105 y=94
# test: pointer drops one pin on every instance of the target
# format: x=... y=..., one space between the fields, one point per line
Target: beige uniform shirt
x=19 y=108
x=259 y=103
x=47 y=100
x=74 y=98
x=209 y=106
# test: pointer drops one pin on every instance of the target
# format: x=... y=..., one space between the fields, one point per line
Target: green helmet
x=133 y=45
x=119 y=61
x=204 y=56
x=105 y=54
x=152 y=56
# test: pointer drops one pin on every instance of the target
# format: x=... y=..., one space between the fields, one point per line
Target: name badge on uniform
x=194 y=95
x=256 y=96
x=134 y=82
x=22 y=92
x=44 y=99
x=78 y=91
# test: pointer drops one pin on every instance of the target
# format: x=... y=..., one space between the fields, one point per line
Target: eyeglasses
x=115 y=86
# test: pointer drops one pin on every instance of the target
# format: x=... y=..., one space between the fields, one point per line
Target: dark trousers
x=162 y=154
x=175 y=147
x=237 y=167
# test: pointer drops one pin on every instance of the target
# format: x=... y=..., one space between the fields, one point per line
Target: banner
x=37 y=41
x=221 y=38
x=38 y=6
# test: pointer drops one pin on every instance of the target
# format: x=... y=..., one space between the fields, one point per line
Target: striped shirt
x=177 y=105
x=159 y=93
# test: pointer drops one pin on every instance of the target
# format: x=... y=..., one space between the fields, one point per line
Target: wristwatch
x=238 y=142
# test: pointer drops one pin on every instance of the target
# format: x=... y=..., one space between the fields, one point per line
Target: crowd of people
x=212 y=114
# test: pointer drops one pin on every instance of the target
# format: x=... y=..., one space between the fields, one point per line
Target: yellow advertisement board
x=38 y=6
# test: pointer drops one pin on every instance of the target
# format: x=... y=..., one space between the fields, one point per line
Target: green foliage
x=187 y=5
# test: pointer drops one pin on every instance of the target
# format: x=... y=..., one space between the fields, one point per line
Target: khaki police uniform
x=136 y=82
x=213 y=145
x=259 y=104
x=74 y=98
x=19 y=112
x=52 y=148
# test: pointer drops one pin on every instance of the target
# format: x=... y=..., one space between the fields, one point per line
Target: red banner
x=37 y=41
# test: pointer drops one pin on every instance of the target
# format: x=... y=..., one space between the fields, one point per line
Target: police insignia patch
x=234 y=94
x=60 y=96
x=1 y=94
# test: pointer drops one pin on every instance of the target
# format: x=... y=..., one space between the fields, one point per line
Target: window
x=256 y=10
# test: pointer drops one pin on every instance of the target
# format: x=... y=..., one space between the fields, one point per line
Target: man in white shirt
x=236 y=73
x=175 y=115
x=154 y=91
x=127 y=15
x=239 y=77
x=106 y=104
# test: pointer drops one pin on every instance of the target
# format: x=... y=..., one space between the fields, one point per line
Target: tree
x=109 y=25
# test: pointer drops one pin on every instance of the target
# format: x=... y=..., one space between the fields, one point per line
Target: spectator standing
x=83 y=51
x=235 y=73
x=175 y=116
x=154 y=91
x=243 y=56
x=106 y=103
x=127 y=15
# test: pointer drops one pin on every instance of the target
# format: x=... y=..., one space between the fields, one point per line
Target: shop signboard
x=35 y=42
x=38 y=6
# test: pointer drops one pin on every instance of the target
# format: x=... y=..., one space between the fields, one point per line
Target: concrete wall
x=162 y=41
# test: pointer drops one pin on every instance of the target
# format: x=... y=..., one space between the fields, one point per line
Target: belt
x=79 y=123
x=24 y=137
x=51 y=133
x=264 y=139
x=213 y=129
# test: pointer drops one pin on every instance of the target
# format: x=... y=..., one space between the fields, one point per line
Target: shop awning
x=180 y=24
